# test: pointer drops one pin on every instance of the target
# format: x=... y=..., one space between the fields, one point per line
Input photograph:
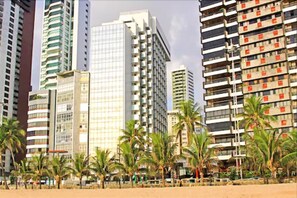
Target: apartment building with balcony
x=128 y=81
x=264 y=64
x=65 y=39
x=41 y=122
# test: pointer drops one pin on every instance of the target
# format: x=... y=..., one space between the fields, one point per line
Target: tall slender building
x=182 y=86
x=128 y=81
x=249 y=48
x=16 y=44
x=65 y=39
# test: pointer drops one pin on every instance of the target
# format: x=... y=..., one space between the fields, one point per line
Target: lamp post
x=233 y=48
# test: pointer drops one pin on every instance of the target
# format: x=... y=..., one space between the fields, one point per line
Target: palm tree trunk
x=163 y=177
x=16 y=182
x=102 y=182
x=131 y=181
x=197 y=175
x=15 y=167
x=39 y=182
x=201 y=177
x=80 y=182
x=25 y=184
x=59 y=184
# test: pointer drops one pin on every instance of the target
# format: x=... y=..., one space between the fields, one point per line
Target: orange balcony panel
x=250 y=88
x=246 y=40
x=243 y=5
x=265 y=98
x=276 y=45
x=262 y=48
x=258 y=13
x=248 y=76
x=275 y=32
x=263 y=60
x=245 y=28
x=260 y=36
x=247 y=51
x=274 y=20
x=257 y=2
x=282 y=109
x=264 y=86
x=281 y=96
x=272 y=9
x=284 y=122
x=277 y=57
x=267 y=111
x=263 y=73
x=280 y=83
x=244 y=17
x=279 y=70
x=284 y=135
x=259 y=24
x=248 y=63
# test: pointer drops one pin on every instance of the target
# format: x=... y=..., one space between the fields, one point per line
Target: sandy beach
x=245 y=191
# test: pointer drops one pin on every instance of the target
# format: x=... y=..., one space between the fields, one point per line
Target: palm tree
x=80 y=166
x=163 y=155
x=2 y=149
x=133 y=134
x=255 y=114
x=130 y=160
x=267 y=144
x=25 y=171
x=101 y=165
x=289 y=148
x=200 y=153
x=188 y=116
x=39 y=167
x=59 y=169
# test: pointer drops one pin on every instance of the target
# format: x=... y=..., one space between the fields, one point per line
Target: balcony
x=215 y=71
x=211 y=15
x=217 y=94
x=275 y=97
x=259 y=13
x=279 y=110
x=265 y=73
x=260 y=37
x=265 y=86
x=263 y=61
x=260 y=25
x=216 y=82
x=235 y=143
x=282 y=123
x=251 y=4
x=263 y=48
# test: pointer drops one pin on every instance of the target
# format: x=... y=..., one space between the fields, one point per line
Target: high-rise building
x=72 y=113
x=41 y=121
x=65 y=39
x=182 y=86
x=261 y=62
x=16 y=44
x=128 y=81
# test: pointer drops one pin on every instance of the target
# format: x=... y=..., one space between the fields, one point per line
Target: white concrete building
x=128 y=66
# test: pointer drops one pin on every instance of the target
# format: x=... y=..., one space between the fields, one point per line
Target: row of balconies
x=260 y=25
x=278 y=110
x=260 y=37
x=251 y=4
x=263 y=61
x=264 y=73
x=259 y=13
x=265 y=86
x=263 y=48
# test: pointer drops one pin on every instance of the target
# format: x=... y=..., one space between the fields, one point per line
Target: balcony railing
x=217 y=92
x=218 y=80
x=293 y=3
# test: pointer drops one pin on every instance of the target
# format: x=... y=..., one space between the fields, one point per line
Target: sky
x=179 y=21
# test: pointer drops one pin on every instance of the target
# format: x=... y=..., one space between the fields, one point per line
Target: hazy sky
x=178 y=19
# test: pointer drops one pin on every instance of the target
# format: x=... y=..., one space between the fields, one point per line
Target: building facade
x=136 y=48
x=182 y=86
x=65 y=39
x=72 y=113
x=249 y=48
x=16 y=44
x=41 y=121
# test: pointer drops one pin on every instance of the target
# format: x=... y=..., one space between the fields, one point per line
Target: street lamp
x=231 y=49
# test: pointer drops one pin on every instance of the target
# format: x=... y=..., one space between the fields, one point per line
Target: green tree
x=130 y=160
x=133 y=134
x=101 y=164
x=200 y=154
x=25 y=171
x=267 y=144
x=188 y=117
x=59 y=168
x=39 y=166
x=163 y=156
x=289 y=146
x=255 y=114
x=2 y=150
x=80 y=166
